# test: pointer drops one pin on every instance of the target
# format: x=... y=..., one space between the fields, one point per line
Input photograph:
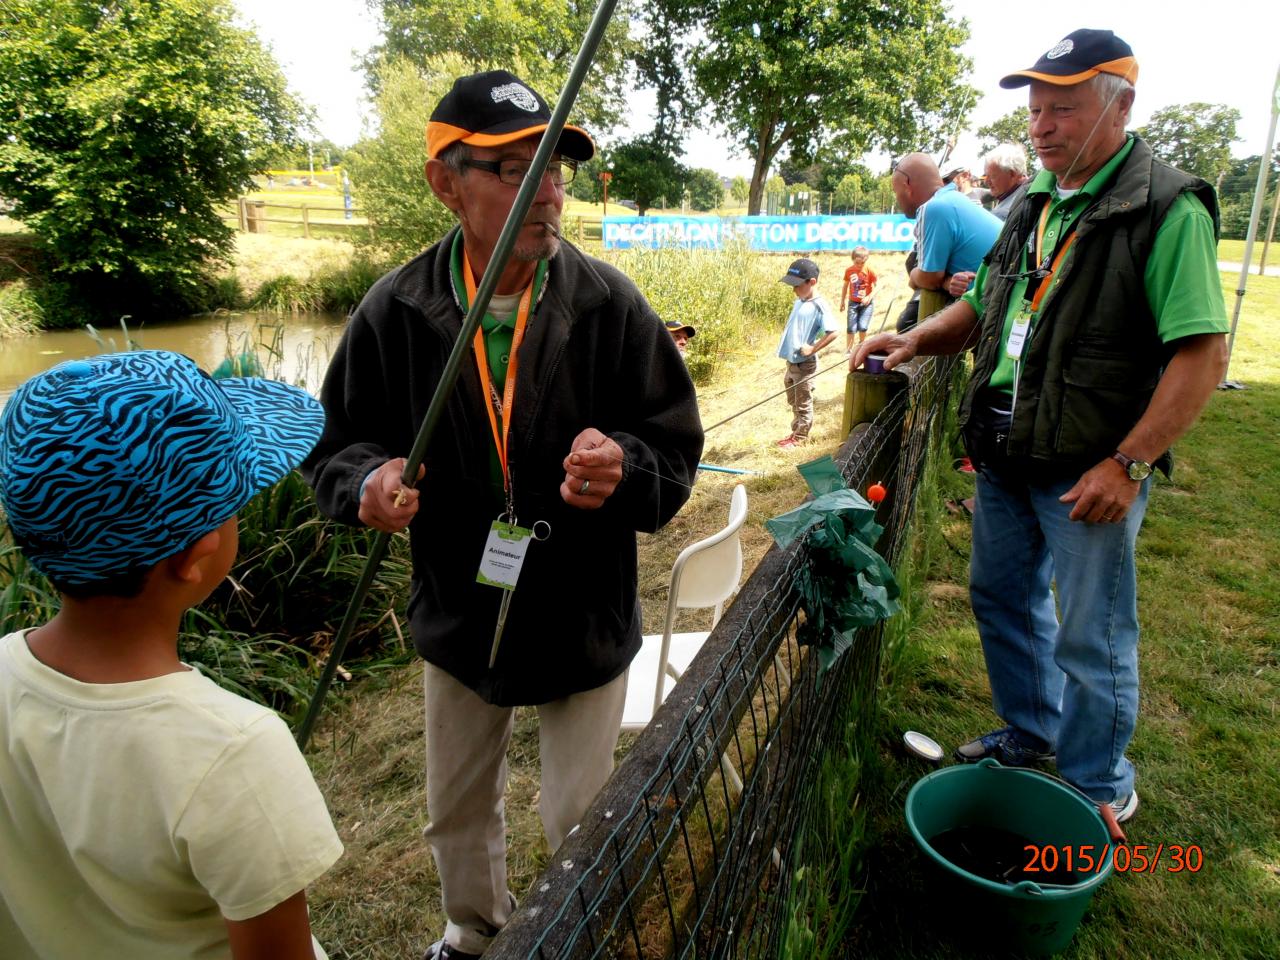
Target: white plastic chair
x=705 y=574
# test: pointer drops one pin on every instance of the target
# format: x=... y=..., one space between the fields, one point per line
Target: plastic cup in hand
x=874 y=362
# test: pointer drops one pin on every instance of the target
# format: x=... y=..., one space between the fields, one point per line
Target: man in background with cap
x=681 y=334
x=958 y=172
x=1099 y=329
x=574 y=419
x=811 y=327
x=955 y=234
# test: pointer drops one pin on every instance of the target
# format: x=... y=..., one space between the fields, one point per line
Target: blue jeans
x=859 y=316
x=1068 y=683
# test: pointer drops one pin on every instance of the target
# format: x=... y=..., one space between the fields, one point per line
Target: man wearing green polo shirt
x=1098 y=327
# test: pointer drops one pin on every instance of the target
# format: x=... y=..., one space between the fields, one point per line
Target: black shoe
x=1004 y=745
x=443 y=950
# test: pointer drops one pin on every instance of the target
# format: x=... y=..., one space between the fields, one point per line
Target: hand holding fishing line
x=593 y=470
x=386 y=503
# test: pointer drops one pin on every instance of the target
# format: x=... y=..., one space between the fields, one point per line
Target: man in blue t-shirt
x=955 y=232
x=810 y=327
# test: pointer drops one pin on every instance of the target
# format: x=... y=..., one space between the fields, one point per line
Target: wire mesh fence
x=688 y=850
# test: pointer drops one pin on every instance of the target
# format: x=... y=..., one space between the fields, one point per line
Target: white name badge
x=1018 y=335
x=503 y=555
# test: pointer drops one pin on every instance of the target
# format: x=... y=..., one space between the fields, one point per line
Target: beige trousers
x=467 y=776
x=800 y=395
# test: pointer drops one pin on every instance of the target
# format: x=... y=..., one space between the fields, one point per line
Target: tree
x=644 y=171
x=535 y=39
x=1235 y=197
x=848 y=192
x=586 y=183
x=294 y=156
x=881 y=191
x=796 y=170
x=706 y=192
x=739 y=189
x=387 y=170
x=1194 y=137
x=1011 y=128
x=127 y=125
x=795 y=74
x=661 y=52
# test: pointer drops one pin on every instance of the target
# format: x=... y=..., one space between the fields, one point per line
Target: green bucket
x=1031 y=917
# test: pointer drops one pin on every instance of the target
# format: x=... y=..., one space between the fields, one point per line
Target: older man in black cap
x=1098 y=325
x=573 y=426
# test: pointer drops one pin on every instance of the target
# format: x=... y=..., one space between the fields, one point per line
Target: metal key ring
x=546 y=530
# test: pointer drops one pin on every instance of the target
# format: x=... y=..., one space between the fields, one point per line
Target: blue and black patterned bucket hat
x=121 y=460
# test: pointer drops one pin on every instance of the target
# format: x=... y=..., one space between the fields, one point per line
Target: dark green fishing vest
x=1093 y=358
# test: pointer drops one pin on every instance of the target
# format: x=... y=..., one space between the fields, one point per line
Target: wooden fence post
x=242 y=214
x=866 y=394
x=306 y=221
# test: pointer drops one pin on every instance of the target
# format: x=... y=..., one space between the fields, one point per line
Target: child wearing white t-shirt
x=147 y=812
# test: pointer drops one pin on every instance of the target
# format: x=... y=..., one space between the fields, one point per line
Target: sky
x=1224 y=52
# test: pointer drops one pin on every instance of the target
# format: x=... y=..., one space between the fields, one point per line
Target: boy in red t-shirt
x=859 y=283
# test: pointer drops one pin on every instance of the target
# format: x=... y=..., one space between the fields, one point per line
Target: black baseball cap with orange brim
x=496 y=107
x=1077 y=57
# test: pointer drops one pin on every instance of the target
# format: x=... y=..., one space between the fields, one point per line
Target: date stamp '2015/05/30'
x=1091 y=858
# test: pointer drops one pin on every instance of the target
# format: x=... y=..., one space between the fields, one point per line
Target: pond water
x=295 y=348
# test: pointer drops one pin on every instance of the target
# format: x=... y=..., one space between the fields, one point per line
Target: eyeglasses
x=512 y=172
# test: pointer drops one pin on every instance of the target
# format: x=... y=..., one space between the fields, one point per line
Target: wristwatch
x=1136 y=469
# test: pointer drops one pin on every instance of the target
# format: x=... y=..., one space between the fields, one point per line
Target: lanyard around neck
x=1047 y=280
x=498 y=408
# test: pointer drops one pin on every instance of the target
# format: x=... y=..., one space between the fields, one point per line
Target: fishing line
x=721 y=423
x=771 y=373
x=1094 y=129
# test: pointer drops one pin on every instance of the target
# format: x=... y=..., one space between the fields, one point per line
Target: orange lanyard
x=1057 y=260
x=495 y=407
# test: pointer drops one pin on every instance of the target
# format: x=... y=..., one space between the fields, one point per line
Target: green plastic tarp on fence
x=846 y=584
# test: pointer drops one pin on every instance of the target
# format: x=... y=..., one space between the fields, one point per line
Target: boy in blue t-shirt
x=810 y=327
x=148 y=813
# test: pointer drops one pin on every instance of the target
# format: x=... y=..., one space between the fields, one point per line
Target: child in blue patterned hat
x=147 y=812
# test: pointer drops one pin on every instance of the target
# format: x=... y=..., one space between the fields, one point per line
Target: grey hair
x=1110 y=88
x=455 y=157
x=1008 y=156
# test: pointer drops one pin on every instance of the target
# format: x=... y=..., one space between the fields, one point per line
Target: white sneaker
x=1123 y=807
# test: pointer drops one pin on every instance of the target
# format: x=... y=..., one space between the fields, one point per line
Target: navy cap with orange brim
x=496 y=107
x=1077 y=57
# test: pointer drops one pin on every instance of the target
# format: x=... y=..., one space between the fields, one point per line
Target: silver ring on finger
x=582 y=492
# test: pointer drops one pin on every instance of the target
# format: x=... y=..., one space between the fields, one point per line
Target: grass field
x=1206 y=749
x=1233 y=250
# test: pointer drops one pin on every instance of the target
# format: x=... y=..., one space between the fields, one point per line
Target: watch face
x=1138 y=470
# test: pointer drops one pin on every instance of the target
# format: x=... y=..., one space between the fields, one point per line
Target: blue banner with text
x=774 y=234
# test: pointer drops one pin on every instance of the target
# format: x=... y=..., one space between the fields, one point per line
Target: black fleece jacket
x=594 y=355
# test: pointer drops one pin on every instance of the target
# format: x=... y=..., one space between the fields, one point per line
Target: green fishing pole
x=484 y=292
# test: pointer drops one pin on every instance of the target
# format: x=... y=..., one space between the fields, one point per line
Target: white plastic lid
x=922 y=746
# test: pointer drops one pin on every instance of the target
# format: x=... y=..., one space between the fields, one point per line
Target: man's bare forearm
x=951 y=330
x=926 y=280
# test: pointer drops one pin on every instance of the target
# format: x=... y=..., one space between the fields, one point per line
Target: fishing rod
x=479 y=304
x=734 y=416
